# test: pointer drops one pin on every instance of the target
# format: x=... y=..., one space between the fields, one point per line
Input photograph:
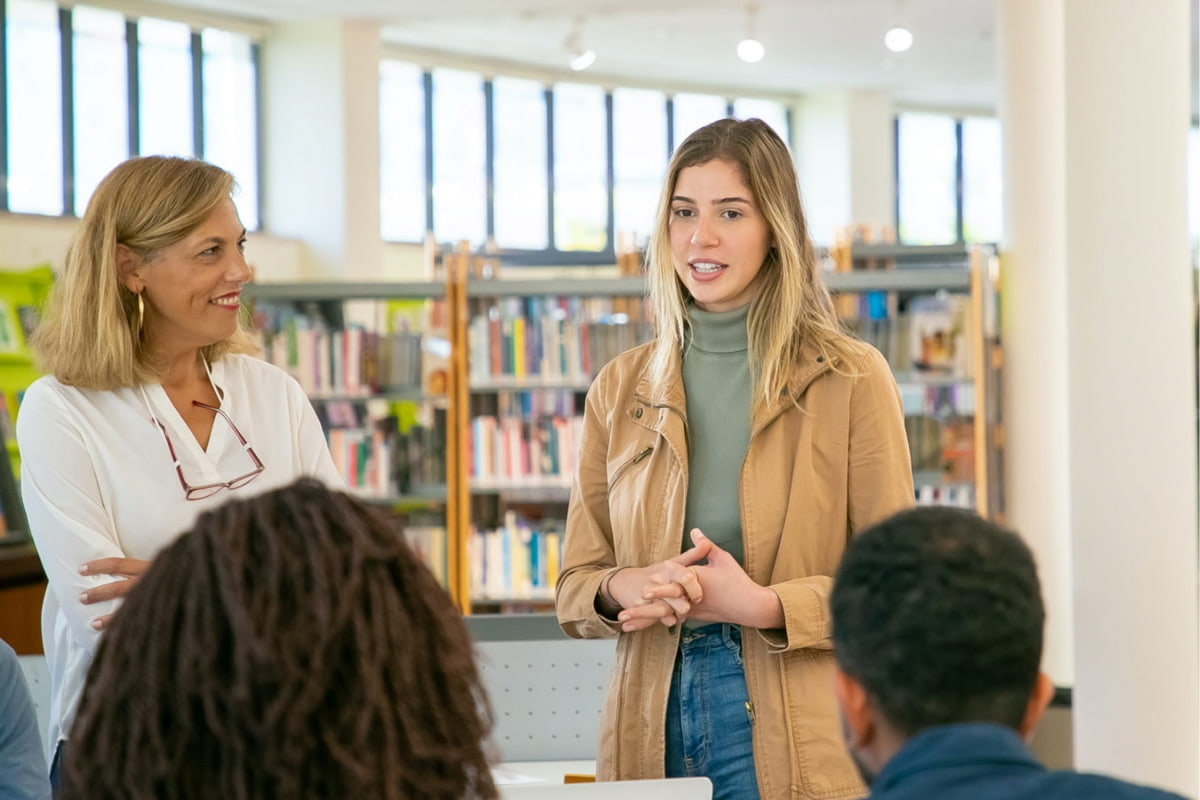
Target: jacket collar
x=812 y=365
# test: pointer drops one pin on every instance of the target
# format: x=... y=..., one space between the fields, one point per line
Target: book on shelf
x=517 y=450
x=548 y=338
x=518 y=560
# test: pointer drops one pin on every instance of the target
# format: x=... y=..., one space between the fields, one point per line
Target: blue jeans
x=708 y=716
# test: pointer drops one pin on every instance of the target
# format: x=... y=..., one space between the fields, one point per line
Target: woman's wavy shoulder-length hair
x=792 y=308
x=89 y=336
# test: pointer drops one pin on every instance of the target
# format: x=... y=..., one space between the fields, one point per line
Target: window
x=230 y=115
x=580 y=167
x=639 y=159
x=101 y=97
x=459 y=174
x=927 y=157
x=983 y=180
x=694 y=111
x=54 y=169
x=165 y=88
x=771 y=112
x=522 y=203
x=35 y=119
x=402 y=152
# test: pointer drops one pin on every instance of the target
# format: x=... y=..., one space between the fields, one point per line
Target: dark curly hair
x=290 y=646
x=938 y=614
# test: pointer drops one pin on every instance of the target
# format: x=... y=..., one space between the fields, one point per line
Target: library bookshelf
x=463 y=410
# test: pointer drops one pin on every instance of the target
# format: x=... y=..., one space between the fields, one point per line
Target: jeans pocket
x=731 y=636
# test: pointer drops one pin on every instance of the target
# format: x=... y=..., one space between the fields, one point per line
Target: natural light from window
x=521 y=199
x=34 y=87
x=459 y=177
x=165 y=88
x=580 y=156
x=639 y=160
x=230 y=121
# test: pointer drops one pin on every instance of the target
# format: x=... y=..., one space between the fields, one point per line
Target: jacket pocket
x=622 y=470
x=824 y=764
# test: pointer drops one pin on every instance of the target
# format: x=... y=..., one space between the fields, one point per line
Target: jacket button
x=637 y=414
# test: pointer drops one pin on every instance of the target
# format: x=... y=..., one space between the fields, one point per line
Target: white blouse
x=97 y=481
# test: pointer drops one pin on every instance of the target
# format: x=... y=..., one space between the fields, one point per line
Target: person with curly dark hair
x=291 y=645
x=937 y=629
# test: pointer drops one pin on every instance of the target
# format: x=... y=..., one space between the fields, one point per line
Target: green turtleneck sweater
x=716 y=380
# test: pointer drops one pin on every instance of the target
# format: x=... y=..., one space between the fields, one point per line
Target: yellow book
x=518 y=344
x=551 y=558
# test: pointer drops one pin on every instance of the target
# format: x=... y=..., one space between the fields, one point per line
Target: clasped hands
x=125 y=570
x=702 y=583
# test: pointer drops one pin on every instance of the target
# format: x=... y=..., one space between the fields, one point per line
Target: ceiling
x=811 y=45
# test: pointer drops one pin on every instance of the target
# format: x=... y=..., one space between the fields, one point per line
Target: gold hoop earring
x=141 y=314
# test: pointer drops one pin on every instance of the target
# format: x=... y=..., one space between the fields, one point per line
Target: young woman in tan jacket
x=723 y=468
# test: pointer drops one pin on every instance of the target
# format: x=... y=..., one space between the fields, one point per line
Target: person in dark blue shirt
x=937 y=627
x=23 y=773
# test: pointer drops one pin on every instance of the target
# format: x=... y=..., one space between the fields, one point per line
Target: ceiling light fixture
x=579 y=57
x=898 y=38
x=750 y=49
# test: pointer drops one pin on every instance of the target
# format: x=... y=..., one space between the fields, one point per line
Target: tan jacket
x=810 y=480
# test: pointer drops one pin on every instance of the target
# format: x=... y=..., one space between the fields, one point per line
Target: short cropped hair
x=938 y=614
x=292 y=645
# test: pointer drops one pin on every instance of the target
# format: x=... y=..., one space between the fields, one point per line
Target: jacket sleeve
x=68 y=520
x=588 y=554
x=879 y=483
x=880 y=478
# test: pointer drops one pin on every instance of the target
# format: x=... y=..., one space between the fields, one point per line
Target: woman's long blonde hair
x=89 y=334
x=792 y=308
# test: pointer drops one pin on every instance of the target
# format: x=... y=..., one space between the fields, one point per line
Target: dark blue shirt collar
x=952 y=746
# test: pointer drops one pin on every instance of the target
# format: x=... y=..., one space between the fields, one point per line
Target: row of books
x=428 y=539
x=351 y=361
x=517 y=561
x=547 y=347
x=376 y=455
x=960 y=495
x=515 y=450
x=932 y=334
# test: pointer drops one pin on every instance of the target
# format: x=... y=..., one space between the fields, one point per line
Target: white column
x=1034 y=307
x=321 y=143
x=1119 y=72
x=844 y=160
x=1132 y=385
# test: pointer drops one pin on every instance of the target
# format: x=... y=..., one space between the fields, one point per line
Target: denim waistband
x=695 y=634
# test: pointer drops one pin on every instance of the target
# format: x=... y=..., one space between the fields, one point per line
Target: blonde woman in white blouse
x=152 y=408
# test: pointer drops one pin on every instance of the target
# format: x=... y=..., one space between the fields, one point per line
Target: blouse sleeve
x=68 y=520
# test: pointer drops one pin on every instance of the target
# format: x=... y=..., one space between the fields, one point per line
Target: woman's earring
x=141 y=314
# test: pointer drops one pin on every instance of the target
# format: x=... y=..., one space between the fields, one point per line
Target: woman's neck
x=183 y=370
